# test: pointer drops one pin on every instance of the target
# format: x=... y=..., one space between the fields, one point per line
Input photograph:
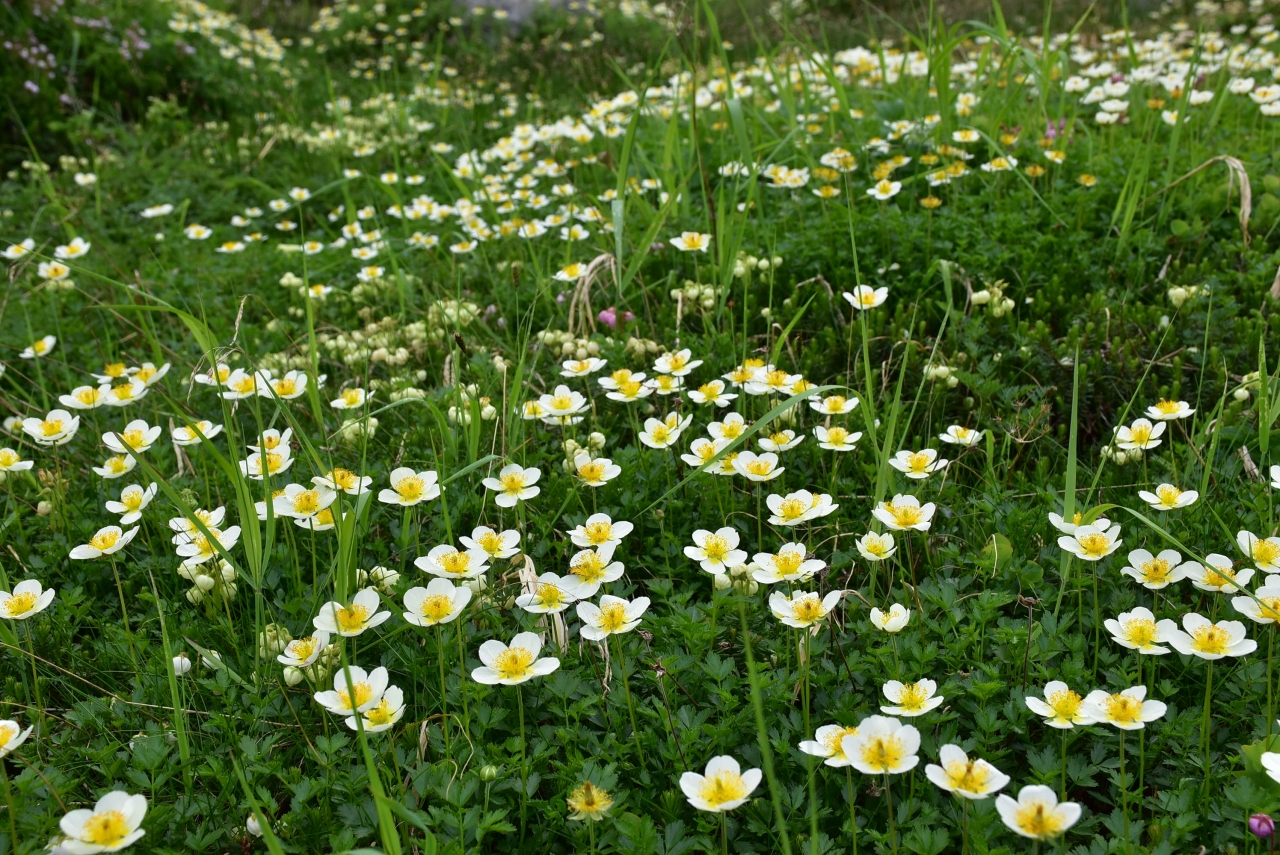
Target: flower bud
x=1178 y=295
x=489 y=773
x=252 y=826
x=292 y=675
x=1262 y=825
x=722 y=582
x=595 y=441
x=44 y=508
x=181 y=664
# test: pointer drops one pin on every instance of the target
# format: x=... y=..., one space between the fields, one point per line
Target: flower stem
x=626 y=688
x=1204 y=729
x=524 y=769
x=888 y=794
x=853 y=808
x=444 y=695
x=124 y=612
x=1124 y=794
x=8 y=798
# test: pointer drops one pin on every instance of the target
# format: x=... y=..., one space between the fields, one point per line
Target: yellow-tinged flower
x=1061 y=707
x=588 y=803
x=1037 y=814
x=723 y=787
x=969 y=779
x=882 y=746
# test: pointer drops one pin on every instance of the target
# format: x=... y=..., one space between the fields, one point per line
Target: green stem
x=8 y=798
x=524 y=768
x=762 y=732
x=888 y=794
x=124 y=612
x=853 y=808
x=1204 y=729
x=462 y=671
x=444 y=694
x=626 y=688
x=1124 y=794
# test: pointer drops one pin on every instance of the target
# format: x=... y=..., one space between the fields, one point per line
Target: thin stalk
x=853 y=808
x=1204 y=728
x=888 y=794
x=626 y=688
x=8 y=800
x=524 y=767
x=124 y=612
x=762 y=732
x=444 y=694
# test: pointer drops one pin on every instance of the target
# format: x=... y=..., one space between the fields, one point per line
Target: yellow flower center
x=437 y=607
x=1037 y=821
x=145 y=374
x=132 y=499
x=613 y=617
x=352 y=397
x=904 y=515
x=19 y=604
x=356 y=696
x=1094 y=544
x=1065 y=705
x=776 y=379
x=1168 y=408
x=589 y=567
x=490 y=542
x=88 y=396
x=512 y=483
x=351 y=618
x=913 y=698
x=455 y=563
x=622 y=375
x=117 y=464
x=808 y=610
x=918 y=462
x=629 y=388
x=592 y=472
x=1269 y=608
x=1140 y=435
x=971 y=777
x=51 y=427
x=270 y=442
x=788 y=562
x=1265 y=551
x=104 y=540
x=1124 y=709
x=676 y=361
x=410 y=488
x=245 y=385
x=716 y=547
x=562 y=402
x=1168 y=495
x=574 y=366
x=40 y=346
x=877 y=546
x=709 y=390
x=380 y=714
x=792 y=509
x=302 y=648
x=105 y=829
x=884 y=753
x=307 y=502
x=1156 y=571
x=759 y=467
x=1211 y=639
x=513 y=663
x=833 y=740
x=660 y=433
x=1140 y=632
x=7 y=733
x=1218 y=576
x=549 y=596
x=8 y=457
x=344 y=479
x=285 y=387
x=723 y=787
x=275 y=462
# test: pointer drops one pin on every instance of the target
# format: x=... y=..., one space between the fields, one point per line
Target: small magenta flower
x=1262 y=825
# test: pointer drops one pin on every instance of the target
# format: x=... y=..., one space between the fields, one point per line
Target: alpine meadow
x=610 y=426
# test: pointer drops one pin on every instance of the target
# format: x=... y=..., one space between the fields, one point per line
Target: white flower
x=834 y=405
x=1037 y=814
x=713 y=393
x=757 y=467
x=788 y=564
x=27 y=600
x=563 y=402
x=595 y=472
x=803 y=609
x=1126 y=710
x=911 y=699
x=350 y=620
x=77 y=248
x=722 y=788
x=678 y=364
x=1168 y=497
x=905 y=513
x=1266 y=608
x=600 y=529
x=864 y=296
x=593 y=568
x=57 y=428
x=1209 y=640
x=716 y=551
x=350 y=399
x=882 y=746
x=1138 y=630
x=1166 y=410
x=783 y=440
x=362 y=692
x=112 y=825
x=408 y=487
x=19 y=250
x=107 y=541
x=195 y=434
x=876 y=547
x=1142 y=434
x=894 y=620
x=1092 y=542
x=1263 y=552
x=827 y=744
x=1070 y=527
x=550 y=594
x=800 y=506
x=449 y=563
x=302 y=652
x=836 y=438
x=514 y=484
x=511 y=665
x=494 y=544
x=969 y=779
x=957 y=435
x=918 y=465
x=884 y=189
x=613 y=616
x=133 y=501
x=692 y=242
x=1061 y=707
x=383 y=715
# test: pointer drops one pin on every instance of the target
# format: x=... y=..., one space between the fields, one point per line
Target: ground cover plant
x=645 y=429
